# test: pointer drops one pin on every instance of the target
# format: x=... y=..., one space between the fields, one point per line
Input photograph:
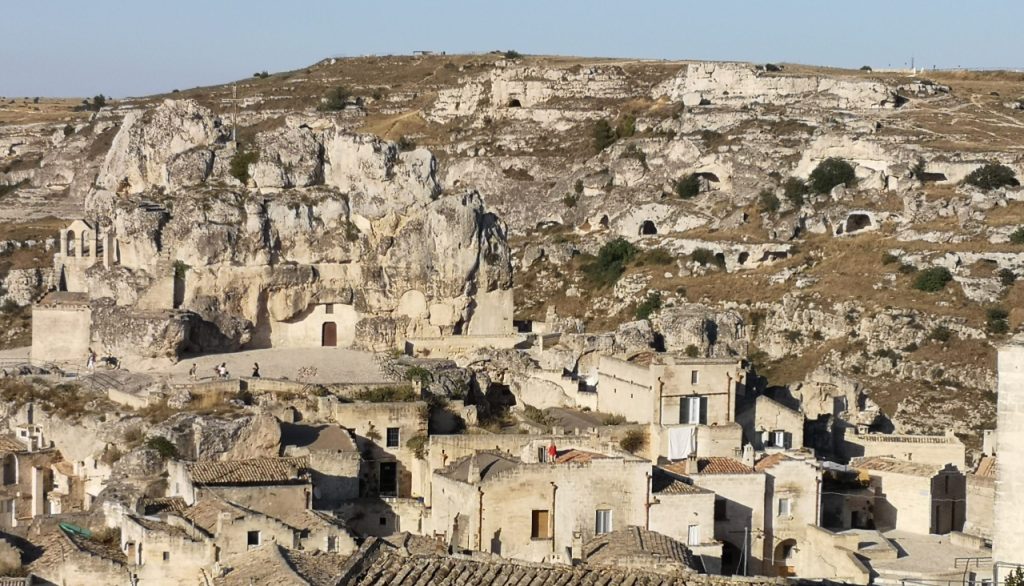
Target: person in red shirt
x=552 y=453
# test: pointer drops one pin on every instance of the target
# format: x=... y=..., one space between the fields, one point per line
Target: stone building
x=274 y=486
x=1008 y=514
x=792 y=504
x=27 y=483
x=739 y=508
x=686 y=513
x=334 y=461
x=770 y=426
x=919 y=498
x=981 y=498
x=158 y=552
x=689 y=403
x=532 y=510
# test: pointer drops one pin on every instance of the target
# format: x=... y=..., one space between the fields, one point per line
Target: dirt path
x=331 y=365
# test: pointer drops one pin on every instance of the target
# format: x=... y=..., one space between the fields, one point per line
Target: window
x=693 y=535
x=603 y=523
x=694 y=377
x=383 y=521
x=540 y=526
x=780 y=439
x=785 y=507
x=252 y=538
x=332 y=544
x=693 y=410
x=329 y=308
x=393 y=437
x=167 y=556
x=721 y=513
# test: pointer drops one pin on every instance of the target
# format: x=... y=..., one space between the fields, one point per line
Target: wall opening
x=648 y=228
x=743 y=257
x=857 y=222
x=720 y=259
x=515 y=103
x=86 y=237
x=604 y=221
x=72 y=245
x=388 y=479
x=927 y=177
x=709 y=177
x=329 y=334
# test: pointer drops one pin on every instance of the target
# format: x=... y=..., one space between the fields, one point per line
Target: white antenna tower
x=234 y=115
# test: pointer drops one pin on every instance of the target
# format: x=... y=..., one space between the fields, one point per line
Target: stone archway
x=515 y=103
x=858 y=222
x=648 y=228
x=783 y=558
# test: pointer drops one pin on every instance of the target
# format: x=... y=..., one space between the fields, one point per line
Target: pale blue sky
x=137 y=47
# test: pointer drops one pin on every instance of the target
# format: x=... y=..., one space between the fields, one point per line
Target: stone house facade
x=919 y=498
x=532 y=510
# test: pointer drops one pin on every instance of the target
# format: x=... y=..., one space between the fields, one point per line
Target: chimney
x=578 y=552
x=748 y=455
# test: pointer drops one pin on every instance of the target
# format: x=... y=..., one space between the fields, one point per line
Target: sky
x=137 y=47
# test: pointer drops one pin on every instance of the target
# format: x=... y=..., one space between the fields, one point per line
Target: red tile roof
x=721 y=465
x=574 y=455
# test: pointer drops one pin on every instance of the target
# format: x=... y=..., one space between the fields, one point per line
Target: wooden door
x=330 y=334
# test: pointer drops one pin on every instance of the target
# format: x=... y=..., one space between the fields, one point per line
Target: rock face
x=712 y=333
x=335 y=219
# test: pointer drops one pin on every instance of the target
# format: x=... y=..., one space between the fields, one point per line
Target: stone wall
x=1007 y=538
x=61 y=334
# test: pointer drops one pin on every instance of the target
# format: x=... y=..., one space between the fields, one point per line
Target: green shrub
x=907 y=269
x=68 y=130
x=336 y=99
x=1017 y=237
x=419 y=373
x=418 y=445
x=626 y=127
x=768 y=201
x=163 y=446
x=705 y=257
x=940 y=333
x=992 y=176
x=932 y=279
x=794 y=189
x=831 y=172
x=692 y=351
x=613 y=419
x=261 y=74
x=240 y=161
x=610 y=263
x=386 y=394
x=604 y=135
x=634 y=152
x=633 y=441
x=578 y=187
x=793 y=336
x=406 y=144
x=510 y=54
x=1007 y=277
x=570 y=200
x=689 y=186
x=888 y=258
x=865 y=68
x=649 y=305
x=996 y=320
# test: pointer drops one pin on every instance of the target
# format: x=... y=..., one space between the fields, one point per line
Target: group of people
x=221 y=371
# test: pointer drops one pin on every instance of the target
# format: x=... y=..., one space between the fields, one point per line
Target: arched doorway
x=783 y=558
x=10 y=468
x=329 y=335
x=648 y=228
x=515 y=103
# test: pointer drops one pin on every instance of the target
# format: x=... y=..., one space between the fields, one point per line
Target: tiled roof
x=203 y=514
x=161 y=527
x=578 y=456
x=254 y=471
x=635 y=544
x=986 y=467
x=317 y=568
x=9 y=443
x=157 y=505
x=382 y=564
x=263 y=566
x=722 y=465
x=411 y=544
x=770 y=461
x=664 y=483
x=54 y=298
x=884 y=464
x=487 y=463
x=317 y=437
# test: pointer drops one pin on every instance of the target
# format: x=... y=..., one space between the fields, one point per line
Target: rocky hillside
x=703 y=168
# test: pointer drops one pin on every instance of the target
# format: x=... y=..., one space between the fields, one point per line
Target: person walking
x=255 y=370
x=90 y=361
x=192 y=372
